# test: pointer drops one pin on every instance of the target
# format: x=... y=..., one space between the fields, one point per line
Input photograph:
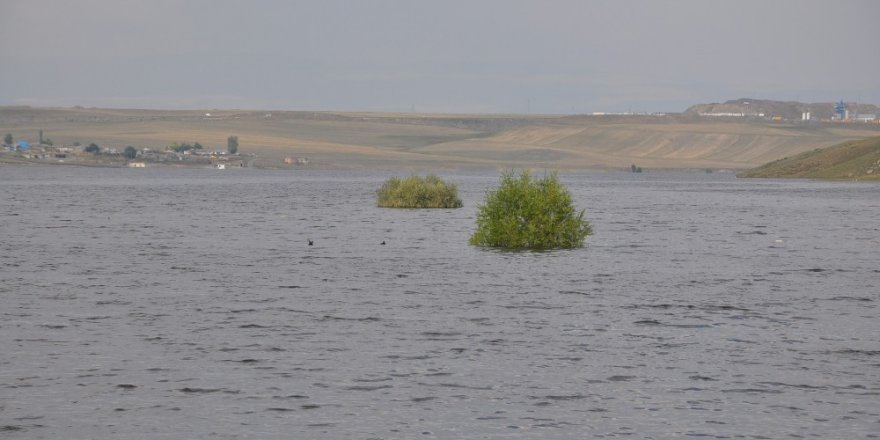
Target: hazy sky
x=543 y=56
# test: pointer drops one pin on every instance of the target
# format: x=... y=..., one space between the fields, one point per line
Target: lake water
x=170 y=304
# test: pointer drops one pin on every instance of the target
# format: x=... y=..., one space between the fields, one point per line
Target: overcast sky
x=540 y=56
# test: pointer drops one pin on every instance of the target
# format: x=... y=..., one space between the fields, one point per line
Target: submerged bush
x=527 y=213
x=418 y=192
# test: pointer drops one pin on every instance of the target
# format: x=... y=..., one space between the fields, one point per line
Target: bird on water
x=311 y=242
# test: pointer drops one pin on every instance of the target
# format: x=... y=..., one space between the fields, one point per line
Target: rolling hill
x=348 y=140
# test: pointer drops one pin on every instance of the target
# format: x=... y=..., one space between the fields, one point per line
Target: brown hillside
x=855 y=160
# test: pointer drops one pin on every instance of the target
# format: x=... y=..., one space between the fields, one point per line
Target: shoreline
x=407 y=169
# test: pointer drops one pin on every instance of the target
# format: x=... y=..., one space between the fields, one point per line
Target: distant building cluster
x=294 y=160
x=730 y=115
x=130 y=156
x=627 y=114
x=841 y=113
x=25 y=150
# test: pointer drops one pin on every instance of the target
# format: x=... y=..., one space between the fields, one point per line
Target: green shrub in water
x=527 y=213
x=418 y=192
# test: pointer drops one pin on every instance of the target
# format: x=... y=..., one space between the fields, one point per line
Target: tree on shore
x=232 y=144
x=130 y=152
x=93 y=148
x=8 y=139
x=180 y=148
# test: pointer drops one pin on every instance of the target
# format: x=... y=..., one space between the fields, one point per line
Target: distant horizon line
x=414 y=112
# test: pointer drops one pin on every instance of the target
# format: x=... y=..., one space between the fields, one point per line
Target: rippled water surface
x=169 y=304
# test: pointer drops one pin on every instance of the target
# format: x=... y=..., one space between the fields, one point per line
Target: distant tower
x=840 y=110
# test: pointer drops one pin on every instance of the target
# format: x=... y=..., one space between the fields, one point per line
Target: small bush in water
x=418 y=192
x=527 y=213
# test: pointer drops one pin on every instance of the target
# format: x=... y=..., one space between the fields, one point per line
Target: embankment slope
x=851 y=160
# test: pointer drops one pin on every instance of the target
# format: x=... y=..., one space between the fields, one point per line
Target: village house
x=293 y=160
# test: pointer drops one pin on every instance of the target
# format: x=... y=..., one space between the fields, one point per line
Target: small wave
x=857 y=352
x=341 y=318
x=292 y=396
x=661 y=306
x=378 y=379
x=751 y=390
x=419 y=357
x=726 y=307
x=181 y=268
x=200 y=390
x=801 y=386
x=245 y=361
x=561 y=397
x=851 y=298
x=621 y=378
x=456 y=385
x=575 y=292
x=654 y=322
x=742 y=341
x=440 y=335
x=367 y=387
x=790 y=408
x=689 y=325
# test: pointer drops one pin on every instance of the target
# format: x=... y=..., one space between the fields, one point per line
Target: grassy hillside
x=857 y=160
x=423 y=141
